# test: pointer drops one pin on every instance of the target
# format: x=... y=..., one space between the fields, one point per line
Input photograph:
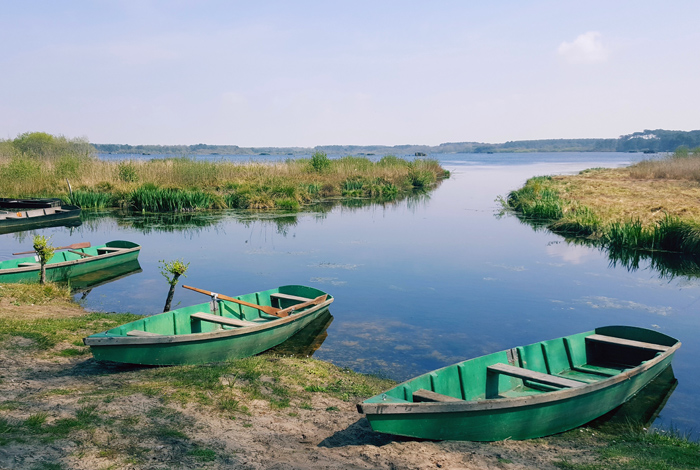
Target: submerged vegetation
x=37 y=165
x=649 y=206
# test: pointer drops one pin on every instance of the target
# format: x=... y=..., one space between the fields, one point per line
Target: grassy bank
x=651 y=205
x=60 y=409
x=37 y=165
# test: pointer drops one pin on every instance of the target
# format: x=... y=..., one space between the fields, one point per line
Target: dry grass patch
x=615 y=195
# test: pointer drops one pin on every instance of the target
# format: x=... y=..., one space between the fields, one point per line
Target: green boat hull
x=65 y=264
x=176 y=338
x=485 y=406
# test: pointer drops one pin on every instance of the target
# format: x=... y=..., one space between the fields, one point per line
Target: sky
x=307 y=73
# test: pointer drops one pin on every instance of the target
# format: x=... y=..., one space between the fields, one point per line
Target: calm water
x=419 y=284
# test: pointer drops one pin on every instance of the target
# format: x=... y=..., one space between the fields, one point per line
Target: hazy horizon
x=310 y=73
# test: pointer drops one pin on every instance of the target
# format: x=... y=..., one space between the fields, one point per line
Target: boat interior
x=562 y=363
x=27 y=214
x=216 y=315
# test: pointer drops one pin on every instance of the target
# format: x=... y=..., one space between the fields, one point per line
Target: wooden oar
x=84 y=255
x=74 y=246
x=263 y=308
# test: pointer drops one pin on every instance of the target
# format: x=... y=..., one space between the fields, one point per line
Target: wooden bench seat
x=427 y=395
x=141 y=333
x=627 y=342
x=108 y=249
x=222 y=320
x=527 y=374
x=28 y=265
x=289 y=297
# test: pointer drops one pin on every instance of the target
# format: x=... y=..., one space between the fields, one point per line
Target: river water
x=418 y=284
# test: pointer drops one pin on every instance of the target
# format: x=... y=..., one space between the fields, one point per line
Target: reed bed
x=683 y=164
x=619 y=209
x=180 y=184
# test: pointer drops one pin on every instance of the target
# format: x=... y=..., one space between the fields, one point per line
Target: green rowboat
x=212 y=331
x=69 y=263
x=525 y=392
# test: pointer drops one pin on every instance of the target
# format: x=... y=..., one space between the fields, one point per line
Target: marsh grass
x=559 y=203
x=183 y=184
x=683 y=164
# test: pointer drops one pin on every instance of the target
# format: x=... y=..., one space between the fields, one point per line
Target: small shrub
x=320 y=162
x=127 y=172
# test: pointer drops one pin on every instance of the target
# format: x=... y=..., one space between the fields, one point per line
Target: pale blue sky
x=317 y=72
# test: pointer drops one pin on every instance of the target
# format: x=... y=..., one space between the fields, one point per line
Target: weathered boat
x=68 y=263
x=525 y=392
x=222 y=329
x=26 y=214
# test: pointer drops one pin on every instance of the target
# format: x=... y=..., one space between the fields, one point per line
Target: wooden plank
x=626 y=342
x=427 y=395
x=222 y=320
x=141 y=333
x=109 y=248
x=290 y=297
x=527 y=374
x=27 y=265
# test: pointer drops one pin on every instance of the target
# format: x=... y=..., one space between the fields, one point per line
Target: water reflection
x=307 y=341
x=85 y=283
x=643 y=409
x=34 y=225
x=668 y=265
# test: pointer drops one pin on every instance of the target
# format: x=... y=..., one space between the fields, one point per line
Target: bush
x=127 y=171
x=320 y=162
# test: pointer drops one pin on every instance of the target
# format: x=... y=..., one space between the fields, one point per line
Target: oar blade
x=74 y=246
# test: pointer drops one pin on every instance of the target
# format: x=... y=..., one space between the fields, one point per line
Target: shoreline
x=60 y=407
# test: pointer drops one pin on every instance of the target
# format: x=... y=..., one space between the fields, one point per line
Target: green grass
x=202 y=454
x=636 y=449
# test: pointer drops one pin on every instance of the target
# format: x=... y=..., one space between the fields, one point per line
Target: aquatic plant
x=153 y=199
x=91 y=199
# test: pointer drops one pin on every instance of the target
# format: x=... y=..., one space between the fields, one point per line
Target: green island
x=649 y=206
x=60 y=409
x=37 y=164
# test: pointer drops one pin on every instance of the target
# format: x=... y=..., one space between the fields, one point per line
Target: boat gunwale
x=511 y=402
x=194 y=337
x=64 y=264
